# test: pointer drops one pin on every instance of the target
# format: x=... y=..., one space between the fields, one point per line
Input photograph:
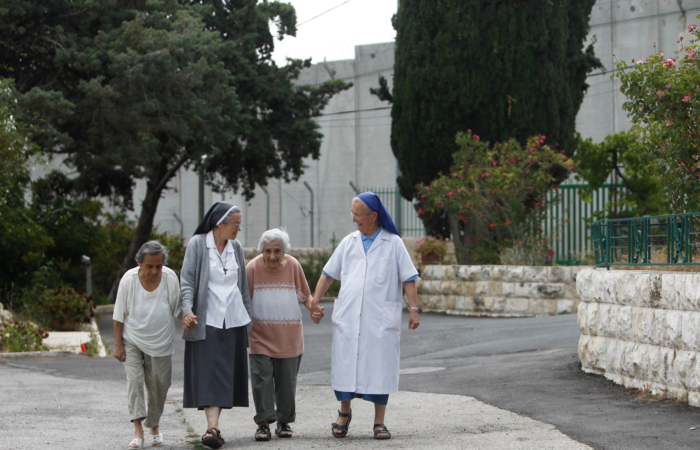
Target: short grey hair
x=234 y=210
x=358 y=199
x=275 y=234
x=152 y=248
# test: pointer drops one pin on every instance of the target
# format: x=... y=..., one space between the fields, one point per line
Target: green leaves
x=506 y=69
x=625 y=156
x=663 y=103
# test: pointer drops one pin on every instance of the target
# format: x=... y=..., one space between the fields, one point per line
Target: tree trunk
x=460 y=237
x=141 y=235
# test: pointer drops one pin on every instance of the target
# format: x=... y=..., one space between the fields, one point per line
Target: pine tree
x=502 y=68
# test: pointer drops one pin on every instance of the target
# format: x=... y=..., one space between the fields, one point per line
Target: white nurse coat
x=367 y=314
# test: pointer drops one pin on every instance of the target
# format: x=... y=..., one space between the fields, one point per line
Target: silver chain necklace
x=223 y=261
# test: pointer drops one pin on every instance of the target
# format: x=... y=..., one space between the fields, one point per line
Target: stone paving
x=42 y=411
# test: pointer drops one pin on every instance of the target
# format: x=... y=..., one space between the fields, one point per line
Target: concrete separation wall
x=641 y=329
x=498 y=291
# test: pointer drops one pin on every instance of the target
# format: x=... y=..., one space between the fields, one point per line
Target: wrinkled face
x=365 y=219
x=151 y=266
x=273 y=254
x=230 y=230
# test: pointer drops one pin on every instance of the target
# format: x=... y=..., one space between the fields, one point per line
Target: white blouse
x=148 y=317
x=225 y=307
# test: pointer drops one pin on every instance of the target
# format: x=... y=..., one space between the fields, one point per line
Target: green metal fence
x=653 y=240
x=568 y=220
x=402 y=212
x=567 y=224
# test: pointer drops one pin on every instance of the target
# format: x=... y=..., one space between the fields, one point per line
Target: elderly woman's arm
x=317 y=312
x=188 y=277
x=412 y=295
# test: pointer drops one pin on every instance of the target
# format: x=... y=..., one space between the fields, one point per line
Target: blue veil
x=375 y=204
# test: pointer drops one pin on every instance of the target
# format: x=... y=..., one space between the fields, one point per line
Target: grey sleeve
x=243 y=282
x=188 y=278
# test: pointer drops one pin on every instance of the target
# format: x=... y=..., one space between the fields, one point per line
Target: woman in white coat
x=372 y=264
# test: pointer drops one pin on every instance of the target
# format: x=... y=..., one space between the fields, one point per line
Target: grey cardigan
x=194 y=283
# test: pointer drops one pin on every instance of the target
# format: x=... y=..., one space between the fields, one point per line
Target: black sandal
x=283 y=428
x=381 y=428
x=214 y=440
x=343 y=428
x=263 y=429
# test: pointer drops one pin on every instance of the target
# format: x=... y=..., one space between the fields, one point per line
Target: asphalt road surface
x=527 y=366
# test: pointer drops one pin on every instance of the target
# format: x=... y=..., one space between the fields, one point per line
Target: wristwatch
x=413 y=308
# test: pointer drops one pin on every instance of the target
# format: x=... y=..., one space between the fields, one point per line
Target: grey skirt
x=216 y=369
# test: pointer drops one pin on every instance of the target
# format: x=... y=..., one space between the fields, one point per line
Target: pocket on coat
x=337 y=313
x=392 y=316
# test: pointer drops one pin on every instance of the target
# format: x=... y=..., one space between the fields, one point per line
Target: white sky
x=335 y=34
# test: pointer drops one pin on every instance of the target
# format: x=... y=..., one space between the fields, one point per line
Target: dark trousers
x=274 y=381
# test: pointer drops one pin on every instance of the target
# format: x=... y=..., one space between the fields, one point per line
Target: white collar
x=211 y=243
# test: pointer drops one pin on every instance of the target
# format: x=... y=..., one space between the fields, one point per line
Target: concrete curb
x=39 y=354
x=101 y=350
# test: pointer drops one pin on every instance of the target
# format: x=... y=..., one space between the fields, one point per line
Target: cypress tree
x=502 y=68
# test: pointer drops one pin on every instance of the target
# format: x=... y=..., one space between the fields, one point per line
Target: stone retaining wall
x=641 y=329
x=498 y=291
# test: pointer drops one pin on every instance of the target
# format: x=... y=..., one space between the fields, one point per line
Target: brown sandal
x=214 y=440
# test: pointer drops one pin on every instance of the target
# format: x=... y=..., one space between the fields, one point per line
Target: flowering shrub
x=663 y=103
x=67 y=307
x=430 y=245
x=494 y=197
x=22 y=337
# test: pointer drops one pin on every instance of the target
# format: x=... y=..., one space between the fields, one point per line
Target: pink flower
x=469 y=131
x=660 y=94
x=668 y=63
x=449 y=194
x=527 y=170
x=686 y=98
x=668 y=86
x=691 y=28
x=439 y=205
x=476 y=137
x=640 y=62
x=459 y=191
x=680 y=37
x=420 y=211
x=641 y=108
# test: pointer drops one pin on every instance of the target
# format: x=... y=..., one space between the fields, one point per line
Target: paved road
x=527 y=366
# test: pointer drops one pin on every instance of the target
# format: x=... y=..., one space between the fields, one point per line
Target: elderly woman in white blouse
x=148 y=300
x=216 y=310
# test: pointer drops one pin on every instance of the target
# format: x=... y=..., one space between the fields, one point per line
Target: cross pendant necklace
x=223 y=263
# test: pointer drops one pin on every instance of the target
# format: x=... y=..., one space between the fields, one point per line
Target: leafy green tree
x=505 y=69
x=663 y=99
x=23 y=242
x=494 y=198
x=148 y=87
x=623 y=155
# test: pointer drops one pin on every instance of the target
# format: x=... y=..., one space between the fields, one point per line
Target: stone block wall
x=641 y=329
x=498 y=291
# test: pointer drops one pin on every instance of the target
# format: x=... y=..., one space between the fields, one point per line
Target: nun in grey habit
x=216 y=318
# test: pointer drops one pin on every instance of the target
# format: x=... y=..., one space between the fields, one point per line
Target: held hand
x=318 y=314
x=189 y=322
x=119 y=353
x=413 y=320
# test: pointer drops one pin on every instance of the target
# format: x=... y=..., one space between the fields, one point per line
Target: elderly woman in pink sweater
x=277 y=286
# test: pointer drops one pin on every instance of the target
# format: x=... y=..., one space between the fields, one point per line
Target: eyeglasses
x=236 y=225
x=357 y=216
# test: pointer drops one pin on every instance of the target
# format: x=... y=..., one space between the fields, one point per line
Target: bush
x=67 y=307
x=663 y=95
x=313 y=269
x=494 y=196
x=22 y=337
